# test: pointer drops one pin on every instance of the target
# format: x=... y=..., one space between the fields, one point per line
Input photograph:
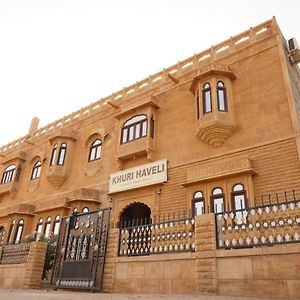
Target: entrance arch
x=135 y=214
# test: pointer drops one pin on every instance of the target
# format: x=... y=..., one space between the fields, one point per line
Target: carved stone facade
x=226 y=120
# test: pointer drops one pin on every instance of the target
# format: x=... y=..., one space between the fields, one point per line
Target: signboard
x=148 y=174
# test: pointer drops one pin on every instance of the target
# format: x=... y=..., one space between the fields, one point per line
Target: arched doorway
x=135 y=214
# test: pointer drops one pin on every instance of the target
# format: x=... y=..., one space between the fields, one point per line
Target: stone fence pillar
x=35 y=265
x=205 y=242
x=110 y=260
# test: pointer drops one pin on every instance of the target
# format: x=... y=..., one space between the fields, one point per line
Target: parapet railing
x=14 y=254
x=265 y=225
x=162 y=237
x=237 y=42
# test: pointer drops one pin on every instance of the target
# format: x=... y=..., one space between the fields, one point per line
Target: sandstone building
x=217 y=132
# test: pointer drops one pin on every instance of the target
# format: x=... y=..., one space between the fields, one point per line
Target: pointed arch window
x=85 y=210
x=36 y=170
x=134 y=128
x=39 y=226
x=222 y=96
x=95 y=150
x=11 y=228
x=53 y=155
x=8 y=174
x=19 y=231
x=239 y=200
x=206 y=95
x=217 y=200
x=56 y=225
x=47 y=227
x=198 y=204
x=62 y=154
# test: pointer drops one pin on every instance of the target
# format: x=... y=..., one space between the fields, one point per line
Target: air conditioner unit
x=293 y=45
x=294 y=52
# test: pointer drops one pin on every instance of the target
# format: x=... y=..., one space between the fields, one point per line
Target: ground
x=10 y=294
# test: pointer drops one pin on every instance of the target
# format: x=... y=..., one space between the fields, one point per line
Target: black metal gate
x=80 y=252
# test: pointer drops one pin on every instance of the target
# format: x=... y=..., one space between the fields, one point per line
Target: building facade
x=217 y=132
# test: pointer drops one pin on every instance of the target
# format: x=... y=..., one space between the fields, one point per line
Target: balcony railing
x=175 y=235
x=264 y=225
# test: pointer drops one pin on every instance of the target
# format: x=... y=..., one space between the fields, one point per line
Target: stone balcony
x=137 y=148
x=9 y=188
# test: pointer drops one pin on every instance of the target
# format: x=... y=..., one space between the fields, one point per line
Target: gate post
x=206 y=264
x=110 y=260
x=35 y=265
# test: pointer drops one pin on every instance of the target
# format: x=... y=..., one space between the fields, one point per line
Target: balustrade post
x=206 y=264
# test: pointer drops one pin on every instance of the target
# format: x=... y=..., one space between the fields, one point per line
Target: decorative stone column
x=110 y=260
x=35 y=265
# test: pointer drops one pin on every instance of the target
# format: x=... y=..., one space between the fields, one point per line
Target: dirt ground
x=10 y=294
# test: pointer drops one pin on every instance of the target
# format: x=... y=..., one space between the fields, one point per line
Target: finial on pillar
x=34 y=125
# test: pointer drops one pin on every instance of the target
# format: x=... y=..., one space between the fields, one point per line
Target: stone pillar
x=110 y=260
x=205 y=242
x=35 y=265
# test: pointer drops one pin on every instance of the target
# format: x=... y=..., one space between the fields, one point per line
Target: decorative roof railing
x=230 y=45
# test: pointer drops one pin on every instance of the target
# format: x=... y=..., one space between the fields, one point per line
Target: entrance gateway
x=80 y=253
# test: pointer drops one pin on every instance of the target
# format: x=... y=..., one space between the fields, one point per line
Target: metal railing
x=265 y=225
x=166 y=236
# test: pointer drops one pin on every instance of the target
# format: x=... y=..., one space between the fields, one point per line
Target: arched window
x=36 y=170
x=56 y=225
x=198 y=204
x=134 y=128
x=206 y=95
x=95 y=150
x=222 y=96
x=11 y=228
x=53 y=155
x=62 y=154
x=8 y=174
x=217 y=200
x=39 y=226
x=85 y=210
x=47 y=228
x=19 y=231
x=75 y=210
x=238 y=197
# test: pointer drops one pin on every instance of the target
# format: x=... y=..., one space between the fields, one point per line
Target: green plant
x=50 y=255
x=50 y=252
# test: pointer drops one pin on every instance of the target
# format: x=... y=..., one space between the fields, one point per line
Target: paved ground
x=9 y=294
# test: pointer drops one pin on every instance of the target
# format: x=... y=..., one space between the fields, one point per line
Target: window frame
x=224 y=91
x=47 y=226
x=20 y=226
x=53 y=155
x=134 y=126
x=197 y=105
x=197 y=200
x=56 y=223
x=62 y=153
x=242 y=192
x=214 y=197
x=92 y=147
x=39 y=225
x=204 y=91
x=10 y=231
x=8 y=175
x=36 y=170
